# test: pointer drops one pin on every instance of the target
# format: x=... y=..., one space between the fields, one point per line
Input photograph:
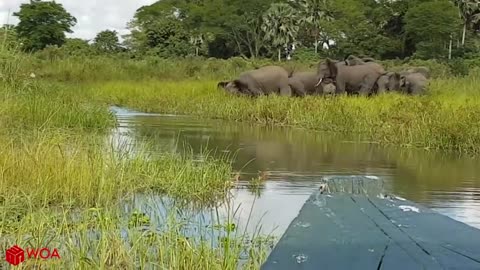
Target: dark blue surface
x=353 y=231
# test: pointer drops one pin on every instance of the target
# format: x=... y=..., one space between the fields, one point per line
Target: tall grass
x=64 y=185
x=78 y=170
x=67 y=191
x=108 y=68
x=448 y=118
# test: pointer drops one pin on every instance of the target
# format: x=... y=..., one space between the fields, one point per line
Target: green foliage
x=280 y=26
x=431 y=25
x=382 y=29
x=8 y=38
x=43 y=23
x=458 y=67
x=107 y=42
x=76 y=47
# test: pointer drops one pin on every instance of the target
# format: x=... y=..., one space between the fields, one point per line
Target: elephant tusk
x=319 y=82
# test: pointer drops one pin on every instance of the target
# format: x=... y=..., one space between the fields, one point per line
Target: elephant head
x=350 y=79
x=413 y=83
x=328 y=87
x=389 y=82
x=234 y=87
x=328 y=69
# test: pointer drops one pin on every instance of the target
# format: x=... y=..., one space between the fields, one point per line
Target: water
x=296 y=160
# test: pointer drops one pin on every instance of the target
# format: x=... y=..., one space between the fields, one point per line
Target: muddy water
x=296 y=159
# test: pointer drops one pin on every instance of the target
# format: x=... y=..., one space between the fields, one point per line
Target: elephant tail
x=290 y=71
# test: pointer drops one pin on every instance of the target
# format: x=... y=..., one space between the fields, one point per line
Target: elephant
x=352 y=60
x=360 y=78
x=261 y=81
x=423 y=70
x=388 y=82
x=228 y=86
x=413 y=83
x=305 y=83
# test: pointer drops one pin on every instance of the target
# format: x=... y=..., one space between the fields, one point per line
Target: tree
x=234 y=20
x=42 y=24
x=280 y=26
x=107 y=41
x=431 y=25
x=76 y=47
x=470 y=13
x=161 y=29
x=313 y=14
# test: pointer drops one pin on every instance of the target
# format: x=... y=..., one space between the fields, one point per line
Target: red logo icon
x=15 y=255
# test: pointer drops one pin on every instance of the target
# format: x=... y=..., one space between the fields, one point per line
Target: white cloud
x=92 y=16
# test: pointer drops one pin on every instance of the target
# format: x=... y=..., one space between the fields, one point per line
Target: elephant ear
x=403 y=80
x=239 y=85
x=394 y=76
x=332 y=68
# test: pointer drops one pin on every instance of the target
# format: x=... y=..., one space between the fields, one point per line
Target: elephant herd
x=362 y=76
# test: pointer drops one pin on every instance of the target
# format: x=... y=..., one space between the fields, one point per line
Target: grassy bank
x=67 y=191
x=64 y=185
x=448 y=118
x=104 y=68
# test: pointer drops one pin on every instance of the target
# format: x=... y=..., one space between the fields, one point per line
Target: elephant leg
x=255 y=90
x=341 y=85
x=366 y=86
x=299 y=90
x=416 y=90
x=286 y=91
x=381 y=89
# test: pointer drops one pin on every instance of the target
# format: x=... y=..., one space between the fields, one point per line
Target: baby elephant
x=388 y=82
x=425 y=71
x=305 y=83
x=413 y=83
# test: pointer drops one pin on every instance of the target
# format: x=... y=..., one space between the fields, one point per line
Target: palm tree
x=313 y=13
x=281 y=25
x=469 y=12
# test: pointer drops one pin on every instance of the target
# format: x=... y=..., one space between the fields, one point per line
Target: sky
x=92 y=16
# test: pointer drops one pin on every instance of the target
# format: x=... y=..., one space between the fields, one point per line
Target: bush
x=306 y=55
x=458 y=67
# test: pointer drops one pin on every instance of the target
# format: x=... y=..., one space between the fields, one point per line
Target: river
x=296 y=160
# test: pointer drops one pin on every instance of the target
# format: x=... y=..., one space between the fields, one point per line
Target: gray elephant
x=388 y=82
x=413 y=83
x=305 y=83
x=361 y=78
x=425 y=71
x=261 y=81
x=353 y=60
x=229 y=87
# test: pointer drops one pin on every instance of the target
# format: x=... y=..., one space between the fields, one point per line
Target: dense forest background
x=384 y=29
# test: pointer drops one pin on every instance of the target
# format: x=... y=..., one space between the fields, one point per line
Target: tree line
x=384 y=29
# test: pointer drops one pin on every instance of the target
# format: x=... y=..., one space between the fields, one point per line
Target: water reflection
x=297 y=158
